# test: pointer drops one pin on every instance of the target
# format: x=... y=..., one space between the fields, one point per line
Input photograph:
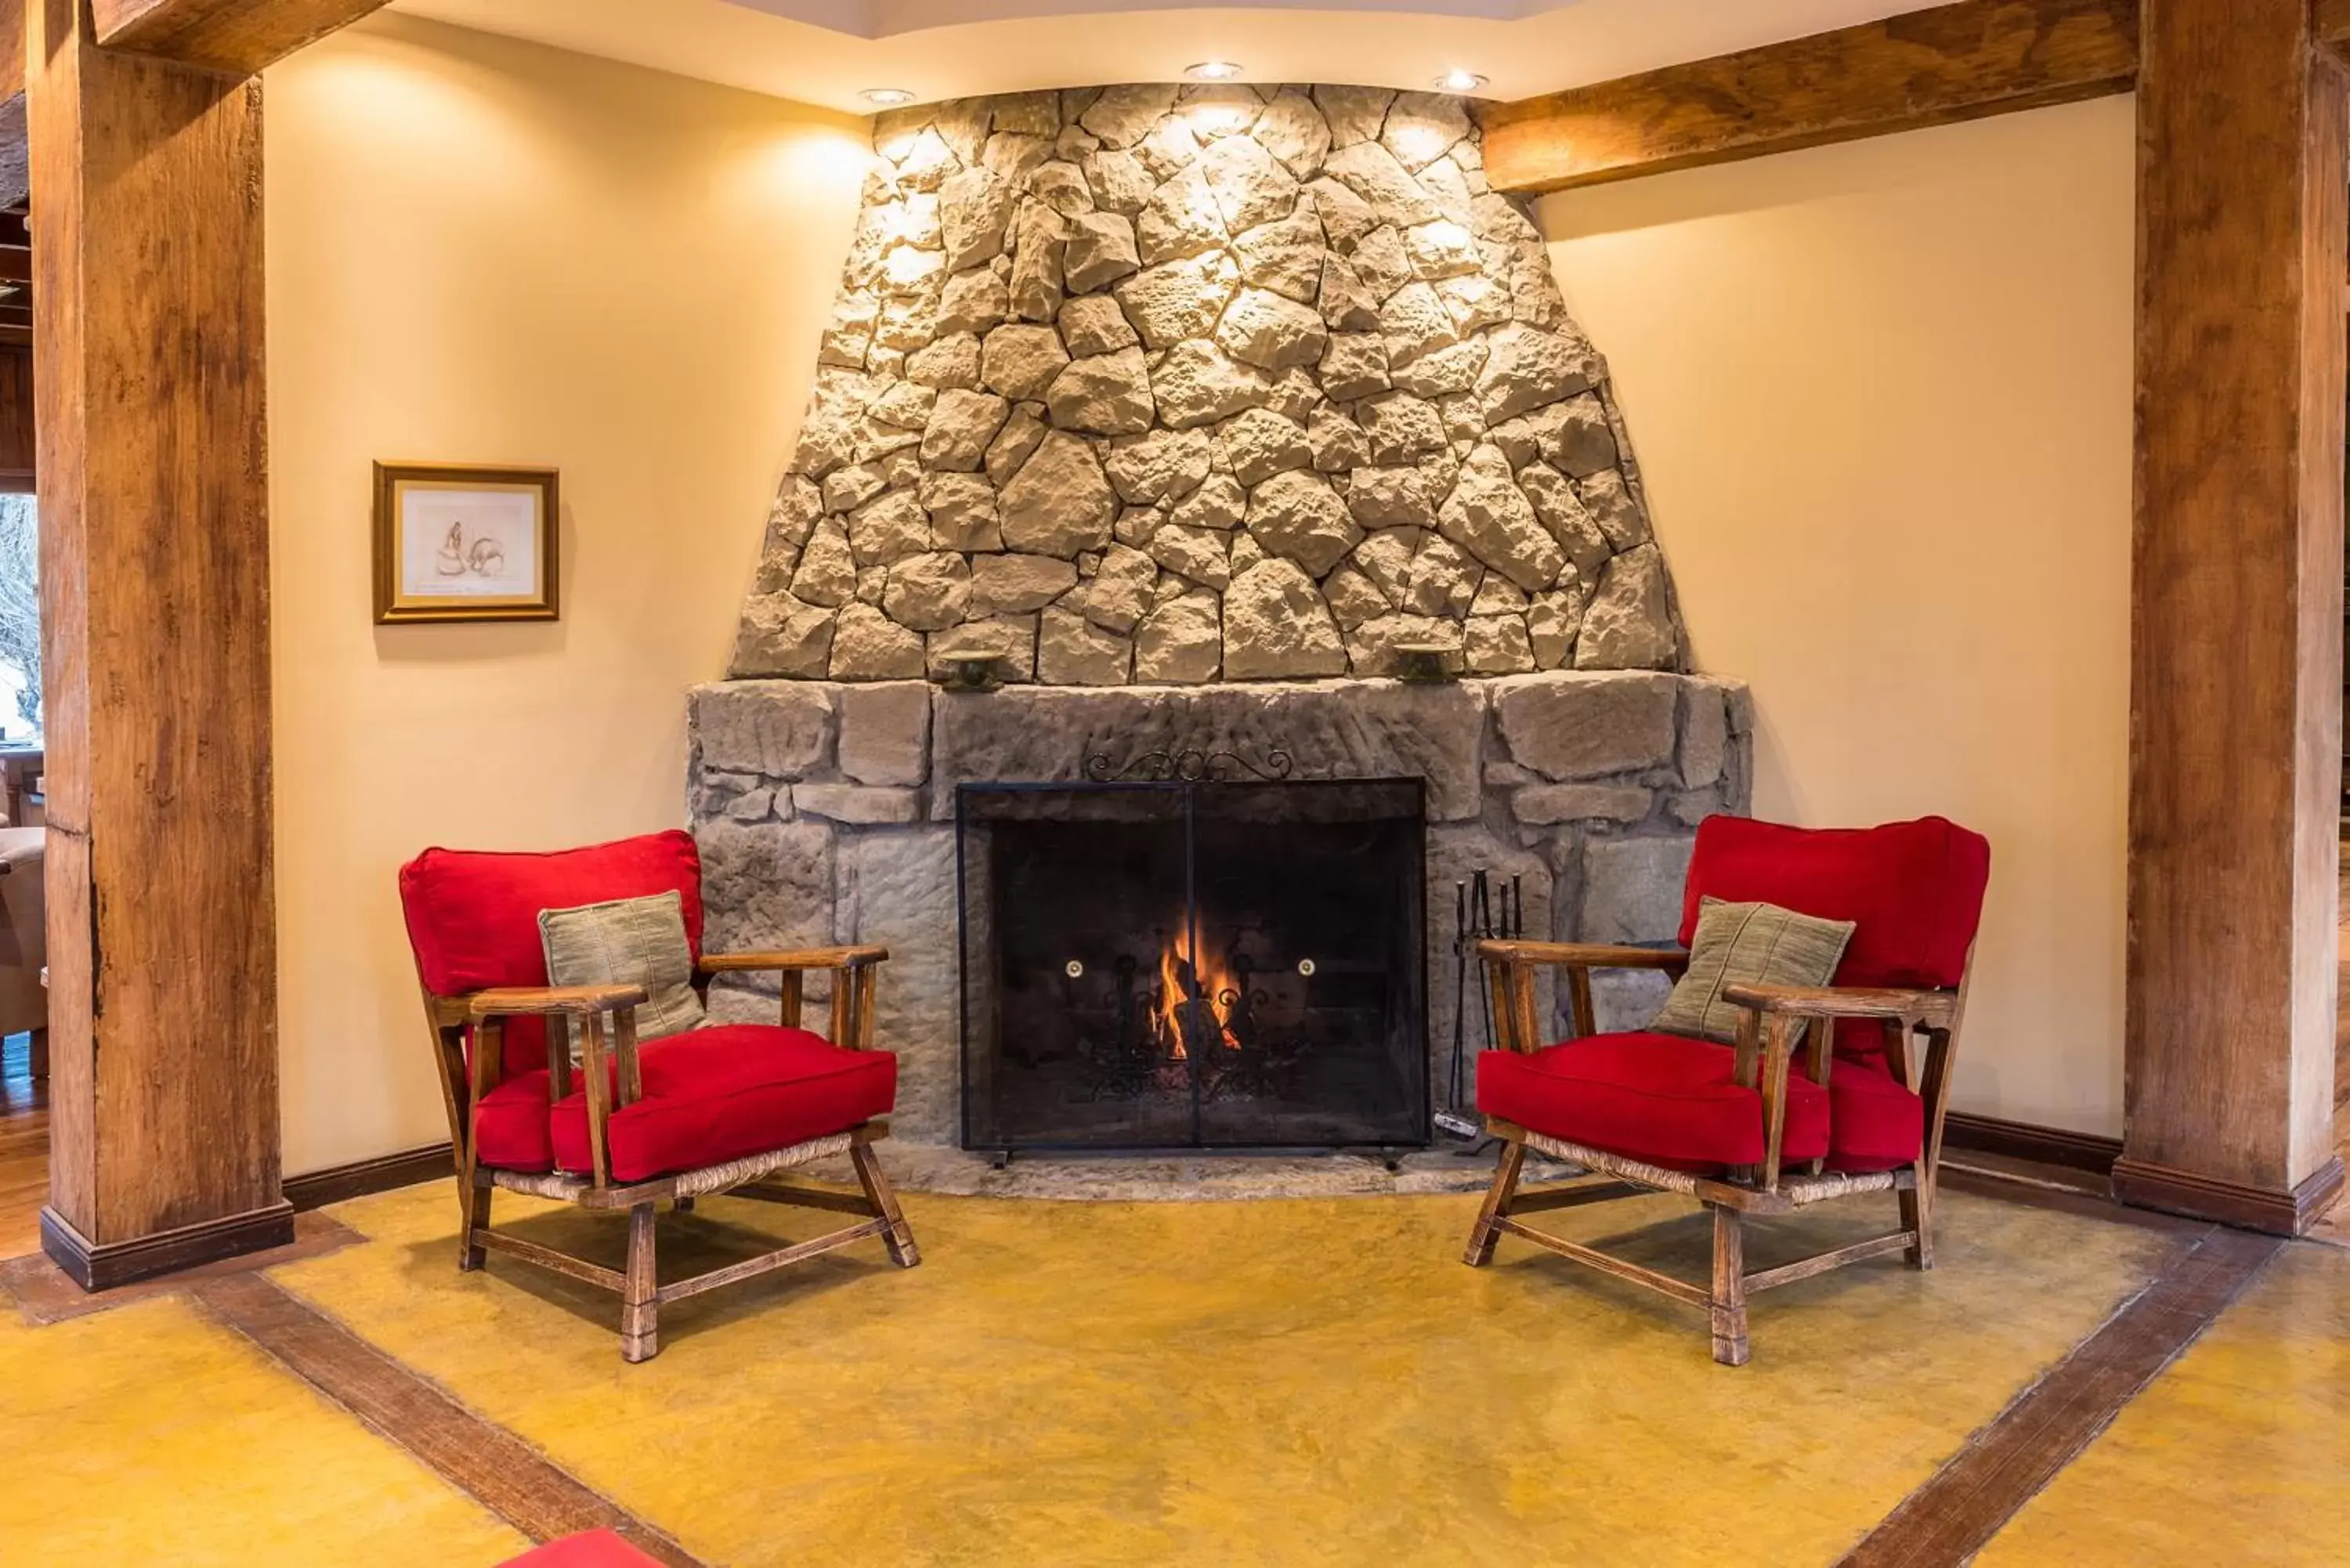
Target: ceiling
x=825 y=51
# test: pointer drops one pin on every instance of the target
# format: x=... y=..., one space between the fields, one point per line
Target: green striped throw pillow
x=1748 y=944
x=627 y=942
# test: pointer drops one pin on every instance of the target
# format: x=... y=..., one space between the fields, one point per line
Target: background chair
x=23 y=941
x=714 y=1109
x=1732 y=1126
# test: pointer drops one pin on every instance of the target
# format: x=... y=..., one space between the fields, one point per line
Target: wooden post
x=154 y=580
x=2236 y=664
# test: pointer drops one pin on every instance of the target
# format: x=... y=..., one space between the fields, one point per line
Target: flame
x=1210 y=979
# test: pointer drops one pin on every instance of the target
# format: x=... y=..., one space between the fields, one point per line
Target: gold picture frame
x=456 y=542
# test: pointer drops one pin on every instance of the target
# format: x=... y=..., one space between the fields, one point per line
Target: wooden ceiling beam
x=235 y=36
x=1921 y=68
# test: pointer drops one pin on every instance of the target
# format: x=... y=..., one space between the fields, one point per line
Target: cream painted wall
x=1881 y=394
x=491 y=251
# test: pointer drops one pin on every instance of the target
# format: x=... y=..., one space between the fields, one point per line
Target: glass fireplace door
x=1193 y=965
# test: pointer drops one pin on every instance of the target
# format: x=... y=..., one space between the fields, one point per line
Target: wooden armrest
x=570 y=1000
x=805 y=957
x=1844 y=1001
x=1584 y=955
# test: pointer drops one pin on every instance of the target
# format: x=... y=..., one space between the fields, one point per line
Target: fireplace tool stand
x=1473 y=921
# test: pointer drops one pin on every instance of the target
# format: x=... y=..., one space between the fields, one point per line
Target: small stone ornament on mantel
x=1426 y=663
x=979 y=672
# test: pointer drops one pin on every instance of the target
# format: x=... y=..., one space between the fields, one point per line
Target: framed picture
x=456 y=542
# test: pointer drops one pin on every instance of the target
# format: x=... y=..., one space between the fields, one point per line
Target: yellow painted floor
x=1249 y=1382
x=150 y=1435
x=2238 y=1454
x=1306 y=1382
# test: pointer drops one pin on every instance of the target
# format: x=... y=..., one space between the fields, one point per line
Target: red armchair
x=713 y=1110
x=1733 y=1126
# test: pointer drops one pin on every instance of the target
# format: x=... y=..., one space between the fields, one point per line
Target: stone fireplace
x=1189 y=411
x=827 y=811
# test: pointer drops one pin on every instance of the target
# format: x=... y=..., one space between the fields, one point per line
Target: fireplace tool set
x=1474 y=920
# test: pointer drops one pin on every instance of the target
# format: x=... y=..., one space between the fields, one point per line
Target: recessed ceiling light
x=1457 y=80
x=1212 y=71
x=886 y=98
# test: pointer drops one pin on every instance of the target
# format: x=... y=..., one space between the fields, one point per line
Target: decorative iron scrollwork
x=1189 y=764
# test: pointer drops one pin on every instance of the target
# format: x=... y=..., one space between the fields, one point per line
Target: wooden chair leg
x=473 y=1214
x=900 y=1237
x=1918 y=1219
x=640 y=1312
x=1729 y=1306
x=1481 y=1238
x=40 y=1052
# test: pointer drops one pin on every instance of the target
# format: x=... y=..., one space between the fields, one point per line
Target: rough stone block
x=1628 y=999
x=1580 y=803
x=1585 y=726
x=1632 y=888
x=897 y=887
x=1353 y=729
x=1690 y=807
x=772 y=728
x=859 y=804
x=1705 y=731
x=885 y=733
x=765 y=885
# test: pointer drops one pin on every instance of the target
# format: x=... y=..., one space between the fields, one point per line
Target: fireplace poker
x=1451 y=1119
x=1474 y=922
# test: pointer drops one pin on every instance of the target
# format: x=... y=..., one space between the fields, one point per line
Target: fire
x=1189 y=992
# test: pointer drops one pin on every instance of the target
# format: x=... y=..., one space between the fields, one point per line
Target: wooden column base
x=98 y=1266
x=2144 y=1186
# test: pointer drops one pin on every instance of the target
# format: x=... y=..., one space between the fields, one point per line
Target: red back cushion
x=1914 y=890
x=472 y=915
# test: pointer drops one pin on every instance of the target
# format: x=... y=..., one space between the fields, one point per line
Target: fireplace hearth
x=1193 y=963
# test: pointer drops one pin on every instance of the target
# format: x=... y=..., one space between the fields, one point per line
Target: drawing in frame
x=460 y=542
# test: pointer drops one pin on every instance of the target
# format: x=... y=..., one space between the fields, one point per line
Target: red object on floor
x=1915 y=892
x=589 y=1549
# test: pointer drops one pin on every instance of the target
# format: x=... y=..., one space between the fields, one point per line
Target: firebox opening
x=1195 y=965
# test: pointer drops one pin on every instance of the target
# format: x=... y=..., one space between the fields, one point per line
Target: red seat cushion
x=724 y=1092
x=1663 y=1098
x=472 y=915
x=510 y=1128
x=1874 y=1123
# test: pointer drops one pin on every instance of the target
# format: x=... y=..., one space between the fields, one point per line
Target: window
x=20 y=620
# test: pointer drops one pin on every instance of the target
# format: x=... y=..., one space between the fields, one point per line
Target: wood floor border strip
x=2006 y=1462
x=45 y=1294
x=505 y=1474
